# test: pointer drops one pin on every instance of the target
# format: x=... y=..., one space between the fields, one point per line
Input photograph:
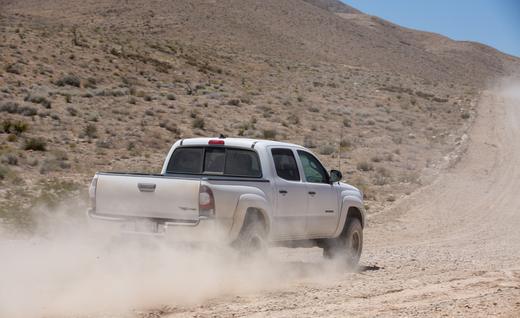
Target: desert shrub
x=15 y=127
x=4 y=171
x=308 y=142
x=171 y=127
x=327 y=150
x=293 y=119
x=36 y=144
x=346 y=143
x=347 y=123
x=234 y=102
x=72 y=111
x=376 y=159
x=269 y=133
x=313 y=109
x=15 y=108
x=14 y=68
x=105 y=144
x=198 y=122
x=20 y=127
x=53 y=164
x=10 y=159
x=246 y=100
x=130 y=146
x=71 y=80
x=38 y=99
x=465 y=115
x=68 y=98
x=364 y=166
x=91 y=83
x=171 y=97
x=383 y=176
x=90 y=131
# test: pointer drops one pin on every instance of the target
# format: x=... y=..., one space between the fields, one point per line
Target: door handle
x=146 y=187
x=312 y=193
x=284 y=192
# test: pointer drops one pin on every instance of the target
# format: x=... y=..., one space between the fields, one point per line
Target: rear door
x=323 y=204
x=291 y=196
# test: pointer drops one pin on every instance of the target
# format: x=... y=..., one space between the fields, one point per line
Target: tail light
x=206 y=202
x=216 y=142
x=92 y=192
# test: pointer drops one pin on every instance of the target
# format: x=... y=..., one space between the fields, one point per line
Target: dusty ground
x=450 y=249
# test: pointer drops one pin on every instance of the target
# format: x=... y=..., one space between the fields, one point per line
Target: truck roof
x=235 y=142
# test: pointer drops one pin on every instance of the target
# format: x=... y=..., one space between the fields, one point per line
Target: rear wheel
x=252 y=237
x=348 y=246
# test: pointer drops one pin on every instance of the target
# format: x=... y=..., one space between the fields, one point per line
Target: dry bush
x=36 y=144
x=71 y=80
x=365 y=166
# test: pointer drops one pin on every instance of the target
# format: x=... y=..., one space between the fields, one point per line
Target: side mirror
x=335 y=176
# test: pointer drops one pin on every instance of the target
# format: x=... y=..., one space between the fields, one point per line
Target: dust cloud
x=67 y=269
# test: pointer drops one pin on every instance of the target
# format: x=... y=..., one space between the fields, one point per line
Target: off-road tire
x=348 y=246
x=252 y=238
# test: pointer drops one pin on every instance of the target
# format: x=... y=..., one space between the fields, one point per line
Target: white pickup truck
x=244 y=191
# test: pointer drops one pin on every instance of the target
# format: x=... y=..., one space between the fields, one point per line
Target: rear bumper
x=203 y=229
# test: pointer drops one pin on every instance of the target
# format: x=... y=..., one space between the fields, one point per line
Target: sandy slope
x=451 y=249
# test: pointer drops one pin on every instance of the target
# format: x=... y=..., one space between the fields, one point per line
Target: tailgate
x=147 y=196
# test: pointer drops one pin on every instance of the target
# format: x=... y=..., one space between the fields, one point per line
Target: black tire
x=348 y=246
x=252 y=238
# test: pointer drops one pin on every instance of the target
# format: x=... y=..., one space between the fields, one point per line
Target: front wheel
x=348 y=246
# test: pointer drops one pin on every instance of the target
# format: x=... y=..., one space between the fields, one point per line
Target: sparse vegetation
x=365 y=166
x=269 y=133
x=14 y=68
x=38 y=99
x=15 y=108
x=13 y=127
x=327 y=150
x=35 y=144
x=198 y=123
x=90 y=131
x=71 y=80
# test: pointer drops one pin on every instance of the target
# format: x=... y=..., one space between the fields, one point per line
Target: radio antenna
x=339 y=145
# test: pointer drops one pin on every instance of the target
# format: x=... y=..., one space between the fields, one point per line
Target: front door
x=291 y=196
x=323 y=204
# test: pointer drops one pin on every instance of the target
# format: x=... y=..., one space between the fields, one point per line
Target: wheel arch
x=351 y=208
x=250 y=205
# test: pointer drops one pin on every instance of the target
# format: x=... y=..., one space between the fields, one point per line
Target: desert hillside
x=97 y=85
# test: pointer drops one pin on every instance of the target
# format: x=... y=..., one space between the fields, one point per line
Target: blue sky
x=492 y=22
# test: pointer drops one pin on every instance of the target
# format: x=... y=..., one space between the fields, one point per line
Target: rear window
x=285 y=164
x=215 y=161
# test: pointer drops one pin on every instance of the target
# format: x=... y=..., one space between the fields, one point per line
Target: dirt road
x=451 y=249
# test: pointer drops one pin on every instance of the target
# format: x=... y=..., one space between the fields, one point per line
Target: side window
x=285 y=164
x=186 y=160
x=312 y=168
x=243 y=163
